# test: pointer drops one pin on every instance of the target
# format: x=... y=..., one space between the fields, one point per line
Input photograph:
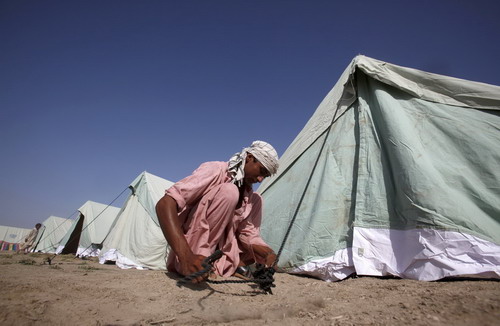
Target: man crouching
x=215 y=208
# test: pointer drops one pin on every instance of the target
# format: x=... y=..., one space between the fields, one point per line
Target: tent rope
x=262 y=276
x=49 y=259
x=294 y=217
x=100 y=215
x=41 y=235
x=342 y=100
x=46 y=236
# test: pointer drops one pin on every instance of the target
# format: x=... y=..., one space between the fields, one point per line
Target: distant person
x=29 y=241
x=216 y=208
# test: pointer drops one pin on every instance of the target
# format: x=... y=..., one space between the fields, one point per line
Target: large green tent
x=396 y=173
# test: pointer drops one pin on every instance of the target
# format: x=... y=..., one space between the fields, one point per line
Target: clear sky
x=92 y=93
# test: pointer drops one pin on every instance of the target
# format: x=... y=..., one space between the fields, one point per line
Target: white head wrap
x=262 y=151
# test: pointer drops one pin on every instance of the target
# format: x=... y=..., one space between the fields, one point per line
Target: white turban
x=262 y=151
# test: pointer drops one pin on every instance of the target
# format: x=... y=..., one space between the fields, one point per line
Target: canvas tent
x=50 y=234
x=87 y=232
x=11 y=237
x=136 y=240
x=396 y=173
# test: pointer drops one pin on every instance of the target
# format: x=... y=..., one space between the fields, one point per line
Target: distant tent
x=396 y=173
x=50 y=234
x=86 y=234
x=11 y=237
x=136 y=240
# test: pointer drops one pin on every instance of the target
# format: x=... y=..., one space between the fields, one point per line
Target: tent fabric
x=11 y=237
x=51 y=233
x=136 y=239
x=13 y=234
x=89 y=230
x=396 y=173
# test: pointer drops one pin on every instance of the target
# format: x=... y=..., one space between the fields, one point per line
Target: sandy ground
x=71 y=291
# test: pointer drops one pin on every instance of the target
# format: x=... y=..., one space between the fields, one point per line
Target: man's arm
x=249 y=234
x=166 y=210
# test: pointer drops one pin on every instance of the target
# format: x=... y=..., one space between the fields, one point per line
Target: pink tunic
x=206 y=202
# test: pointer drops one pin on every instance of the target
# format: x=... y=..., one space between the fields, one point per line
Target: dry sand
x=72 y=291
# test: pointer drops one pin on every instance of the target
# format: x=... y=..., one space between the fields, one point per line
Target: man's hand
x=264 y=255
x=166 y=210
x=270 y=259
x=192 y=264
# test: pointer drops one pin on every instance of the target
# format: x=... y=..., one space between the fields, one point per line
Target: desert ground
x=72 y=291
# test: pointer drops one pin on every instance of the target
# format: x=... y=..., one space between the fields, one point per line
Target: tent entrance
x=72 y=245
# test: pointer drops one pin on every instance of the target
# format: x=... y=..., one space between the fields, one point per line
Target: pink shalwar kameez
x=206 y=203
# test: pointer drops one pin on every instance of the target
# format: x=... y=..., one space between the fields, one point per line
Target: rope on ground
x=262 y=276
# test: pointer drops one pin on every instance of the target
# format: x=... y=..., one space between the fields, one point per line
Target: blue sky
x=92 y=93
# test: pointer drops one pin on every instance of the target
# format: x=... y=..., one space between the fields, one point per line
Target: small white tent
x=136 y=240
x=50 y=234
x=396 y=173
x=89 y=230
x=11 y=237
